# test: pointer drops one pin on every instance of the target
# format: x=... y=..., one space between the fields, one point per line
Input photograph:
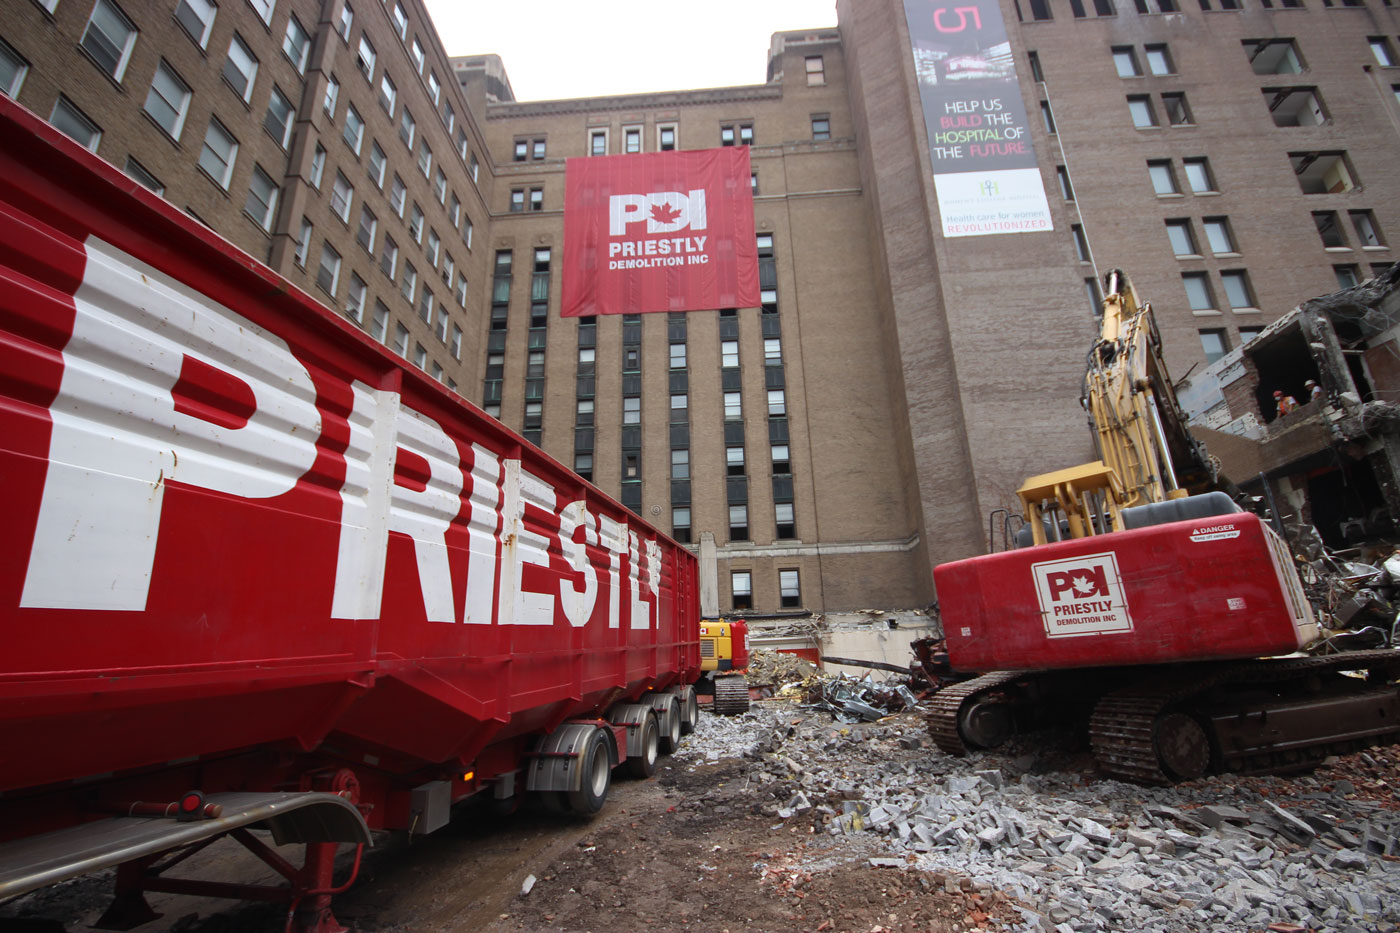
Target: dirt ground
x=690 y=848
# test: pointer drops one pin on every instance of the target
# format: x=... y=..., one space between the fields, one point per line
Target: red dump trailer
x=260 y=574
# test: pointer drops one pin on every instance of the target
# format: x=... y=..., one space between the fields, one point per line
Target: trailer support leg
x=311 y=904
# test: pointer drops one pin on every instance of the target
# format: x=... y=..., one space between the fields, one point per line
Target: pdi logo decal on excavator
x=1081 y=596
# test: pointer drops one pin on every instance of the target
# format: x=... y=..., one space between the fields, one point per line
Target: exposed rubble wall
x=1334 y=461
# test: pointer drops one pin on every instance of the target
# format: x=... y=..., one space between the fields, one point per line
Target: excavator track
x=1138 y=736
x=950 y=702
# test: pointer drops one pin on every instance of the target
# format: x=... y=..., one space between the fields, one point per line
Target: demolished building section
x=1333 y=462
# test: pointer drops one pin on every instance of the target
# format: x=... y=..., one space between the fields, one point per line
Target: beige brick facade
x=922 y=377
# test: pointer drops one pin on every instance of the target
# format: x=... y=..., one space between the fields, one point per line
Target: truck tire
x=595 y=777
x=668 y=720
x=643 y=740
x=731 y=695
x=689 y=708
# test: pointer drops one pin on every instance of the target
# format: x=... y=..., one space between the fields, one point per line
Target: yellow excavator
x=724 y=654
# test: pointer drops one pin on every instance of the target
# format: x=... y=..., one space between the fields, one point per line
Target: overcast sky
x=596 y=48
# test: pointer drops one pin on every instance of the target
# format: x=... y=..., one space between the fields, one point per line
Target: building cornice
x=714 y=95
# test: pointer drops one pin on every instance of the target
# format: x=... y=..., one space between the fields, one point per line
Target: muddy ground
x=695 y=847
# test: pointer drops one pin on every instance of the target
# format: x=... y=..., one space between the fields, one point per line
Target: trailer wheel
x=595 y=777
x=668 y=721
x=689 y=707
x=642 y=764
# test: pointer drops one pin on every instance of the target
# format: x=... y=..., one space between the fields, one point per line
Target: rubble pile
x=1075 y=853
x=778 y=667
x=864 y=700
x=1358 y=602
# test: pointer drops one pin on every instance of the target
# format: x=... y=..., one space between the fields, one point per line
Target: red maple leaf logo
x=664 y=213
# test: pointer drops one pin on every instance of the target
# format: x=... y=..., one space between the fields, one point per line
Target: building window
x=398 y=193
x=109 y=38
x=415 y=223
x=318 y=166
x=1037 y=75
x=280 y=117
x=536 y=199
x=680 y=525
x=379 y=326
x=1091 y=292
x=1159 y=61
x=1081 y=243
x=365 y=57
x=1125 y=61
x=296 y=44
x=1382 y=52
x=1368 y=233
x=1237 y=290
x=262 y=198
x=263 y=8
x=329 y=273
x=777 y=403
x=168 y=100
x=377 y=163
x=666 y=137
x=631 y=139
x=434 y=247
x=354 y=132
x=1273 y=56
x=401 y=340
x=734 y=461
x=342 y=194
x=729 y=353
x=678 y=356
x=789 y=589
x=816 y=71
x=1322 y=172
x=1348 y=275
x=1140 y=107
x=1198 y=293
x=1182 y=239
x=217 y=156
x=1329 y=228
x=522 y=150
x=347 y=18
x=821 y=127
x=355 y=297
x=1163 y=178
x=1040 y=10
x=408 y=287
x=1213 y=343
x=332 y=95
x=738 y=523
x=1249 y=333
x=598 y=142
x=456 y=342
x=1218 y=235
x=425 y=157
x=1295 y=106
x=1178 y=113
x=741 y=586
x=139 y=172
x=407 y=127
x=1199 y=176
x=782 y=514
x=1047 y=117
x=1066 y=190
x=733 y=409
x=418 y=55
x=631 y=411
x=241 y=68
x=196 y=17
x=389 y=258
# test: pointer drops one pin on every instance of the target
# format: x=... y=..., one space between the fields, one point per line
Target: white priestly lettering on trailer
x=612 y=535
x=364 y=503
x=426 y=514
x=483 y=519
x=117 y=438
x=521 y=546
x=574 y=519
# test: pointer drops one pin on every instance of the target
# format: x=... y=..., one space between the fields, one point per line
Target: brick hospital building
x=898 y=379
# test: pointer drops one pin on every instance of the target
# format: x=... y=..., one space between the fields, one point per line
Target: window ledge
x=1206 y=194
x=1338 y=249
x=1189 y=256
x=1233 y=254
x=1205 y=312
x=1146 y=128
x=1374 y=249
x=1247 y=310
x=1171 y=194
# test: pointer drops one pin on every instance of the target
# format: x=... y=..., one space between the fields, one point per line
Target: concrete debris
x=859 y=700
x=778 y=668
x=528 y=885
x=1074 y=855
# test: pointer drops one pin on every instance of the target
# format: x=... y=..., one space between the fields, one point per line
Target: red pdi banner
x=659 y=231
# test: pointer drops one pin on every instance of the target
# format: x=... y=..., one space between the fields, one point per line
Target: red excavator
x=1146 y=601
